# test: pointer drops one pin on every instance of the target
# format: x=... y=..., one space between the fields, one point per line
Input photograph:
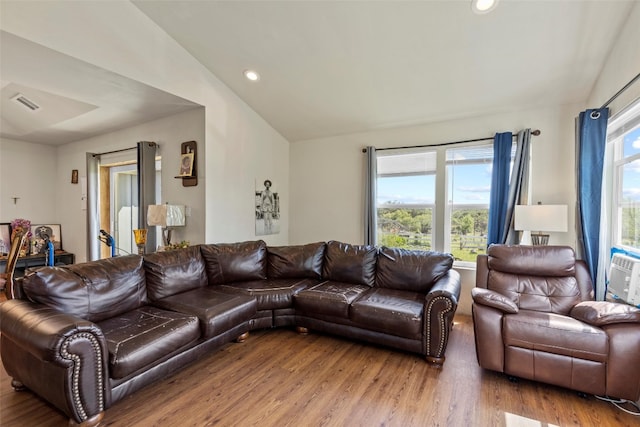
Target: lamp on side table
x=540 y=218
x=166 y=216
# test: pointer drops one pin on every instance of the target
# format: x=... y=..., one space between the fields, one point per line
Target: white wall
x=28 y=171
x=169 y=133
x=622 y=65
x=239 y=144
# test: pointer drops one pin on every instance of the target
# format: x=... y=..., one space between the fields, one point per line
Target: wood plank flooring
x=280 y=378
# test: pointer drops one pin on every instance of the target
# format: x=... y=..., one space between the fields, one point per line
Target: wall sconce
x=540 y=218
x=166 y=216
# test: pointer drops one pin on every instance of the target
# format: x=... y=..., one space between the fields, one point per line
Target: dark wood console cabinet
x=39 y=260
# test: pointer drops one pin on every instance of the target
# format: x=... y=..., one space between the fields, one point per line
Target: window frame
x=623 y=123
x=442 y=208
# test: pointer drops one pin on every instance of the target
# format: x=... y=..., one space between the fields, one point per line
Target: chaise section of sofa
x=177 y=281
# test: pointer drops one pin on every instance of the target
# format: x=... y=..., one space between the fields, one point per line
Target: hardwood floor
x=279 y=378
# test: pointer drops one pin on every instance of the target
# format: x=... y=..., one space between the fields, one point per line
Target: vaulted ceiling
x=336 y=67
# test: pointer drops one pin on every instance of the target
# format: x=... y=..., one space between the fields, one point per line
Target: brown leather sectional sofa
x=84 y=336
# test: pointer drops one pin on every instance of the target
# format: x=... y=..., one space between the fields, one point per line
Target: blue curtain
x=592 y=133
x=498 y=201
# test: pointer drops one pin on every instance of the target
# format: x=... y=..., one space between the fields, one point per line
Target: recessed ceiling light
x=252 y=75
x=483 y=6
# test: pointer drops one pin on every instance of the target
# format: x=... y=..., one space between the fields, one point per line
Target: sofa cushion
x=94 y=291
x=235 y=262
x=328 y=298
x=271 y=294
x=350 y=263
x=218 y=312
x=411 y=270
x=286 y=262
x=391 y=311
x=556 y=334
x=146 y=335
x=174 y=271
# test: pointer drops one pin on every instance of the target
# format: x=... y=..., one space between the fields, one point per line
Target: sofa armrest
x=493 y=299
x=440 y=306
x=600 y=313
x=40 y=342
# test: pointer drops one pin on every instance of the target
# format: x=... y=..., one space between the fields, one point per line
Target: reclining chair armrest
x=487 y=328
x=623 y=365
x=440 y=306
x=493 y=299
x=601 y=313
x=39 y=341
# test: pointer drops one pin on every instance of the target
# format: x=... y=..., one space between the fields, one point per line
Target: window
x=624 y=133
x=435 y=199
x=468 y=189
x=406 y=186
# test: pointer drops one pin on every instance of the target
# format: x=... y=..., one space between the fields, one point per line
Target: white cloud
x=634 y=166
x=631 y=193
x=483 y=189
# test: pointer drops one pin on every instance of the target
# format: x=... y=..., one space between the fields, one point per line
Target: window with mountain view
x=406 y=187
x=435 y=199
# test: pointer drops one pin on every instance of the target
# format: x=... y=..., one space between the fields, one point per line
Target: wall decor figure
x=267 y=208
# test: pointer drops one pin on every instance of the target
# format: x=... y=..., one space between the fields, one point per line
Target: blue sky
x=470 y=185
x=631 y=179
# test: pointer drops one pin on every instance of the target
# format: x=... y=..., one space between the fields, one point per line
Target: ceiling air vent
x=23 y=100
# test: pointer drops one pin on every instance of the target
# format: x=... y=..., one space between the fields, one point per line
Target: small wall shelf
x=186 y=148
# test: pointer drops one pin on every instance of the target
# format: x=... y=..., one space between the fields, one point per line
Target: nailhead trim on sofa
x=75 y=359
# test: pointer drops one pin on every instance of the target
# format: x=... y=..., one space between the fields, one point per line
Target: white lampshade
x=541 y=218
x=166 y=215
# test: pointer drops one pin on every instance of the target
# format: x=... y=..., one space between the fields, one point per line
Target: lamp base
x=140 y=236
x=539 y=239
x=166 y=236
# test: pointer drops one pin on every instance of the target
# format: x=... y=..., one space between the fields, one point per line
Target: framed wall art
x=267 y=204
x=5 y=238
x=39 y=235
x=186 y=164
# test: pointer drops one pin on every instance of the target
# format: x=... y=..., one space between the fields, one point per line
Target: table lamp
x=166 y=216
x=540 y=218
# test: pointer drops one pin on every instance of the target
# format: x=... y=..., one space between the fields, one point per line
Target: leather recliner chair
x=534 y=317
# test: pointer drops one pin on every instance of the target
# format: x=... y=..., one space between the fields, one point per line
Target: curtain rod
x=618 y=93
x=515 y=134
x=114 y=151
